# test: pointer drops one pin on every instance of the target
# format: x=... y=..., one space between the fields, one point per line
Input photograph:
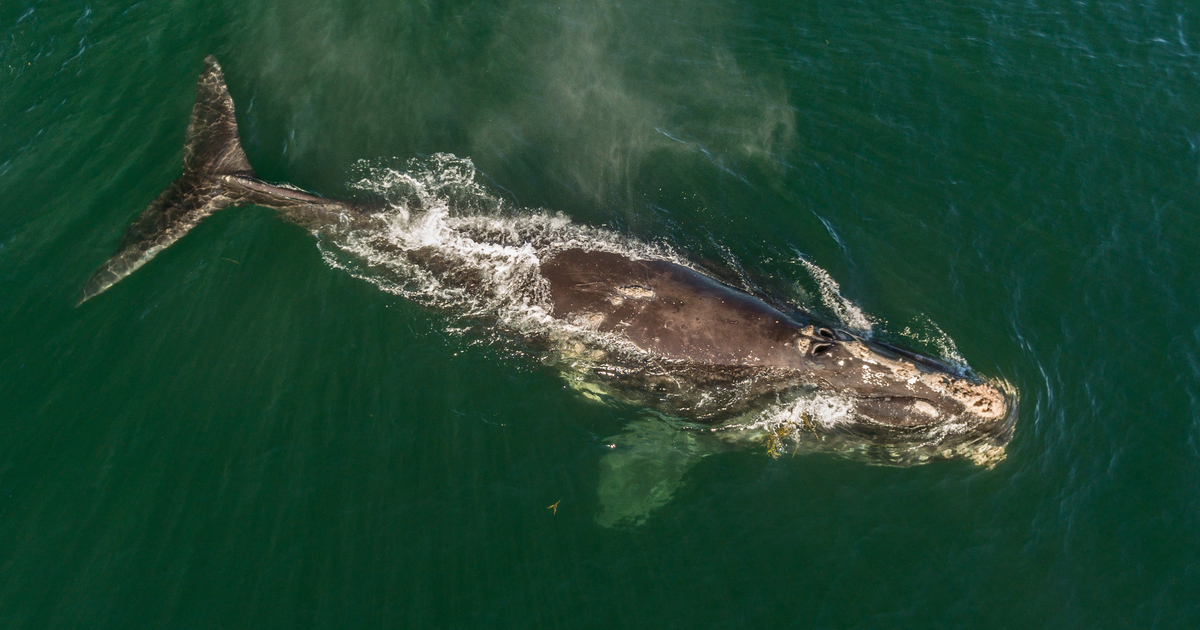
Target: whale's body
x=704 y=358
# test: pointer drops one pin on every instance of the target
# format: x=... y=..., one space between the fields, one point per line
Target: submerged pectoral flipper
x=216 y=175
x=644 y=469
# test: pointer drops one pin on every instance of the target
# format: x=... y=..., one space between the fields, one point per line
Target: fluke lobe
x=705 y=366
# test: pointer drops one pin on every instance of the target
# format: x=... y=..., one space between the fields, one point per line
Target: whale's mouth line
x=891 y=398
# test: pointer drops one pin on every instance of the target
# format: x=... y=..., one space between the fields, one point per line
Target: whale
x=700 y=365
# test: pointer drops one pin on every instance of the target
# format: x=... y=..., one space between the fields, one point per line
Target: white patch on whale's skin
x=635 y=292
x=924 y=408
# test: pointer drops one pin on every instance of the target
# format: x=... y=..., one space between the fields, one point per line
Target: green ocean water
x=241 y=434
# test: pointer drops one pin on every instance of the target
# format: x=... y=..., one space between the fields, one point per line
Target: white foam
x=806 y=413
x=933 y=335
x=435 y=209
x=846 y=311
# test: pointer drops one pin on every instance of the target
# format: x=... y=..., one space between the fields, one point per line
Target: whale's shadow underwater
x=713 y=367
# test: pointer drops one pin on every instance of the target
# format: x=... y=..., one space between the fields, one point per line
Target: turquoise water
x=241 y=434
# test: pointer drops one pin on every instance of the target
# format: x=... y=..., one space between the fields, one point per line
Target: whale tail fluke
x=212 y=147
x=216 y=175
x=212 y=150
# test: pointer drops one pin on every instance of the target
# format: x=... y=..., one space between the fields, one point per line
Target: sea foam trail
x=850 y=315
x=445 y=241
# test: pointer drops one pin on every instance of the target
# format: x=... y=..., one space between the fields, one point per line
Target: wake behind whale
x=713 y=367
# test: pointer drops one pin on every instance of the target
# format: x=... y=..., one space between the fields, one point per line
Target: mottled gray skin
x=650 y=331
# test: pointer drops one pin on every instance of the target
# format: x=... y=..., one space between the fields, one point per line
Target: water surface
x=243 y=435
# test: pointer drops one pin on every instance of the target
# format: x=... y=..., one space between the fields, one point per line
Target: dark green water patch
x=239 y=435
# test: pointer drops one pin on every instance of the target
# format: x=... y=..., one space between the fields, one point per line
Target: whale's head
x=901 y=396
